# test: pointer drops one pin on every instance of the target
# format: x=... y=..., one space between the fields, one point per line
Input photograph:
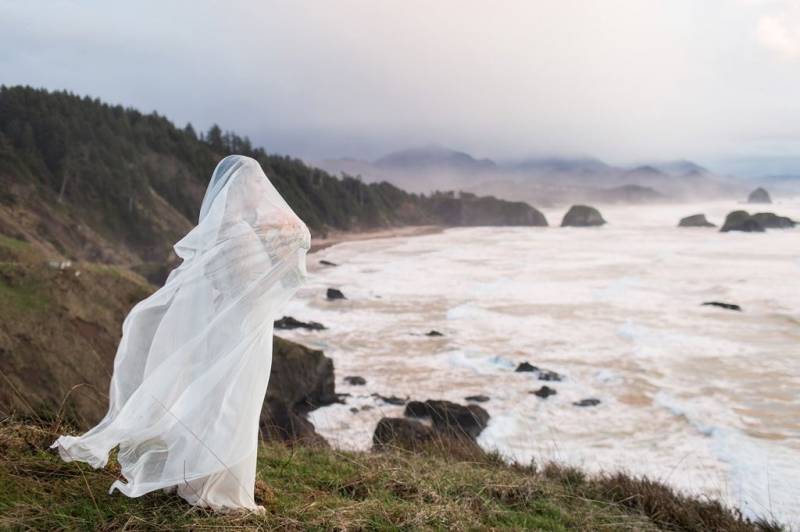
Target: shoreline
x=338 y=237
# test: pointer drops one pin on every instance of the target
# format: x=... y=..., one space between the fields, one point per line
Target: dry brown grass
x=316 y=488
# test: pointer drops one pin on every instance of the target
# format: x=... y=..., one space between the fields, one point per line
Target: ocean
x=700 y=397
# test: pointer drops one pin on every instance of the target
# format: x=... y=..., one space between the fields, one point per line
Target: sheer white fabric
x=192 y=367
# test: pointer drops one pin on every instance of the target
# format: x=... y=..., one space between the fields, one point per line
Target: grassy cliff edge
x=305 y=488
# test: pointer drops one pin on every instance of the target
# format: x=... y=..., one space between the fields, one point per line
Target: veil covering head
x=191 y=370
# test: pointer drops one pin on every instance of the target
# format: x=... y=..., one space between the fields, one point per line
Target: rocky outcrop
x=744 y=221
x=769 y=220
x=289 y=323
x=465 y=209
x=741 y=221
x=451 y=418
x=582 y=216
x=403 y=433
x=477 y=398
x=526 y=367
x=543 y=374
x=433 y=332
x=355 y=380
x=453 y=427
x=759 y=195
x=695 y=220
x=301 y=379
x=334 y=293
x=300 y=376
x=324 y=262
x=544 y=392
x=587 y=402
x=390 y=399
x=547 y=375
x=720 y=304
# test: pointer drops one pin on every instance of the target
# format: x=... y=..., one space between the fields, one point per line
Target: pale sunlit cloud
x=780 y=32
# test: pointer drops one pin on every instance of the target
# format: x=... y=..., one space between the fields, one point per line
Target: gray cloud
x=621 y=79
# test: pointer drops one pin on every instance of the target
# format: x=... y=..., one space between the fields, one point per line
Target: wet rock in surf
x=355 y=380
x=720 y=304
x=769 y=220
x=741 y=221
x=324 y=262
x=582 y=216
x=759 y=195
x=451 y=418
x=525 y=367
x=334 y=293
x=433 y=332
x=544 y=392
x=391 y=399
x=695 y=220
x=289 y=323
x=587 y=402
x=547 y=375
x=477 y=398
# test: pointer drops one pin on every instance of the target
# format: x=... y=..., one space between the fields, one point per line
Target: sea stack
x=582 y=216
x=759 y=195
x=695 y=220
x=741 y=221
x=769 y=220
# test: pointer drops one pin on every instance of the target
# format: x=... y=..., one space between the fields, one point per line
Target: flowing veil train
x=191 y=370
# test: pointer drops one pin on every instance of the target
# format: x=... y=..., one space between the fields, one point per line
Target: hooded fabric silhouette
x=191 y=370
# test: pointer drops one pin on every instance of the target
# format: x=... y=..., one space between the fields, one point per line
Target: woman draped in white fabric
x=192 y=367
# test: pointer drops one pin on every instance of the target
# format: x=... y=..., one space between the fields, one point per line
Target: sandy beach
x=337 y=237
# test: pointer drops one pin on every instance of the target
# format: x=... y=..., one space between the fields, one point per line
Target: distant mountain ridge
x=434 y=157
x=538 y=180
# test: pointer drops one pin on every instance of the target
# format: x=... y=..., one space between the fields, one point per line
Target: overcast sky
x=624 y=80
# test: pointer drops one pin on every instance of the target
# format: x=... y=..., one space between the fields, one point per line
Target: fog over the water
x=623 y=80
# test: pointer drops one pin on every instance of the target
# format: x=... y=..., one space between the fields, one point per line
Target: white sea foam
x=701 y=397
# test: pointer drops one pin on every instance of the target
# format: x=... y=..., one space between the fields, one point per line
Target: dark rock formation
x=280 y=422
x=404 y=433
x=327 y=263
x=301 y=379
x=544 y=374
x=526 y=366
x=582 y=216
x=759 y=195
x=467 y=209
x=769 y=220
x=547 y=375
x=741 y=221
x=587 y=402
x=696 y=220
x=334 y=293
x=355 y=380
x=727 y=306
x=544 y=392
x=451 y=418
x=390 y=399
x=433 y=333
x=288 y=323
x=477 y=398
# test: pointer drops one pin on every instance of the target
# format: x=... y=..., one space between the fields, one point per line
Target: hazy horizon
x=622 y=81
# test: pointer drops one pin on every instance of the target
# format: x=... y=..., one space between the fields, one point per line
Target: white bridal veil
x=192 y=367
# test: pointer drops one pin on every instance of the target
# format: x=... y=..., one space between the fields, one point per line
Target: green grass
x=316 y=489
x=13 y=244
x=20 y=294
